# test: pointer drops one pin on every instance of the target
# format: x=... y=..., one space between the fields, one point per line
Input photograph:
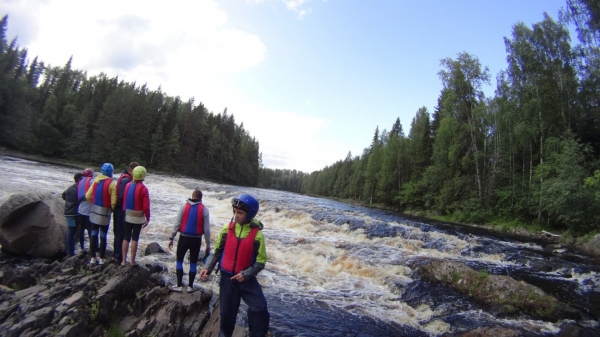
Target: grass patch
x=115 y=331
x=94 y=309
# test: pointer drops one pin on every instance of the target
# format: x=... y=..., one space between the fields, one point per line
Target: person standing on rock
x=103 y=196
x=71 y=205
x=84 y=208
x=136 y=205
x=119 y=214
x=192 y=222
x=241 y=251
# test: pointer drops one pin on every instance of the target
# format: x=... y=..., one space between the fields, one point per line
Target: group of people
x=239 y=250
x=91 y=202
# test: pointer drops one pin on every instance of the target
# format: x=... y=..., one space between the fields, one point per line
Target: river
x=336 y=269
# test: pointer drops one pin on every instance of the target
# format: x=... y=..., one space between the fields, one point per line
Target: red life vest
x=101 y=193
x=192 y=221
x=121 y=189
x=132 y=196
x=83 y=186
x=238 y=253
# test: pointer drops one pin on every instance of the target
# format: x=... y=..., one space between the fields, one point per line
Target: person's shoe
x=177 y=289
x=190 y=289
x=93 y=260
x=100 y=261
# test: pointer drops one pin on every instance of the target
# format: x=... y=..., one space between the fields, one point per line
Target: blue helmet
x=107 y=169
x=246 y=203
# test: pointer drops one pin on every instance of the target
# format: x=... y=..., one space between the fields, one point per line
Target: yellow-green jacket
x=242 y=231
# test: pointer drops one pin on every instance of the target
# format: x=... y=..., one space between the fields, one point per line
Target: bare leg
x=125 y=250
x=134 y=245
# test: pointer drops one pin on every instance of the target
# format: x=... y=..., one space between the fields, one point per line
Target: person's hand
x=204 y=274
x=238 y=277
x=170 y=244
x=145 y=224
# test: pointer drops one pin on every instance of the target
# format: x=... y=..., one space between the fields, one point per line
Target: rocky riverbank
x=70 y=297
x=45 y=293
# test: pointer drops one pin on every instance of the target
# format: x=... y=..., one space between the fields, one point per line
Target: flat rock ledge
x=508 y=295
x=70 y=297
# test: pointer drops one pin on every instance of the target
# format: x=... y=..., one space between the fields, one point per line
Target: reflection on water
x=341 y=270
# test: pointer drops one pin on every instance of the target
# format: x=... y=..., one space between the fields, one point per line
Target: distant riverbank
x=588 y=244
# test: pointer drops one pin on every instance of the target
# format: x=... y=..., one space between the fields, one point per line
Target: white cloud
x=287 y=139
x=187 y=47
x=298 y=6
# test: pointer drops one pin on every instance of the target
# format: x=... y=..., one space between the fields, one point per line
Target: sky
x=310 y=79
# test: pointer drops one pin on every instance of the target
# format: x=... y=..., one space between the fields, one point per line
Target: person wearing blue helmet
x=102 y=194
x=241 y=253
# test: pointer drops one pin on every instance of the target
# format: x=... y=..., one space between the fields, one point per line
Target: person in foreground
x=136 y=205
x=192 y=222
x=241 y=251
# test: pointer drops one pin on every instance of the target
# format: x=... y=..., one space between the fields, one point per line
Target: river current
x=336 y=269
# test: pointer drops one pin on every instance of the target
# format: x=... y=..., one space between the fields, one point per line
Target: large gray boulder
x=33 y=224
x=592 y=247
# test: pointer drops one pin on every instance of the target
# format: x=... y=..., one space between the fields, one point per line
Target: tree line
x=528 y=153
x=61 y=112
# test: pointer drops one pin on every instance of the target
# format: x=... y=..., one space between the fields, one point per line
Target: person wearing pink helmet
x=84 y=208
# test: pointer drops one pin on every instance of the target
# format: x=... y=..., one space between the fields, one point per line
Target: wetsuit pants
x=118 y=229
x=80 y=232
x=71 y=234
x=103 y=232
x=231 y=292
x=184 y=244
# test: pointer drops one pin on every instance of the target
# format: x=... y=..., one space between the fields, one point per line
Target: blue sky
x=310 y=79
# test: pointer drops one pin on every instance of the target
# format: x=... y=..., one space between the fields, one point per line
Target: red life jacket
x=101 y=193
x=121 y=189
x=238 y=254
x=83 y=186
x=192 y=221
x=132 y=196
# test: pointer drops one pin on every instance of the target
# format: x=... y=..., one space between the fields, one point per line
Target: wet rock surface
x=70 y=297
x=506 y=296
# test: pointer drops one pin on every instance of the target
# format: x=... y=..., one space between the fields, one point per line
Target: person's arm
x=218 y=250
x=82 y=198
x=206 y=216
x=88 y=193
x=112 y=189
x=176 y=226
x=146 y=204
x=121 y=189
